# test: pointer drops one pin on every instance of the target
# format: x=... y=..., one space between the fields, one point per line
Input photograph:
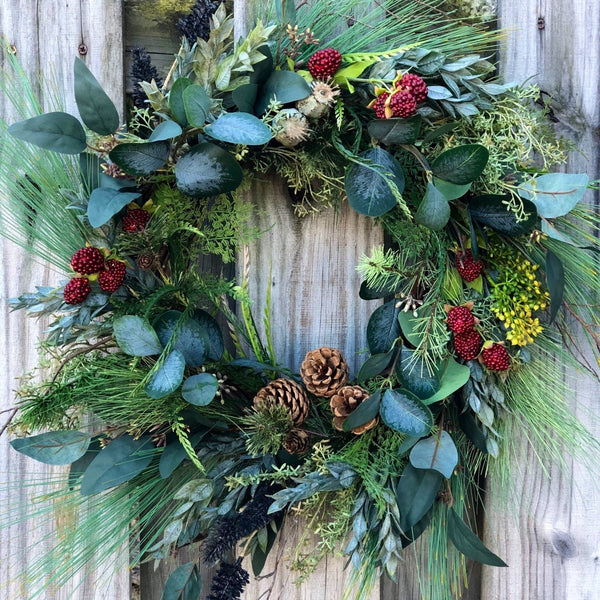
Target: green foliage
x=267 y=428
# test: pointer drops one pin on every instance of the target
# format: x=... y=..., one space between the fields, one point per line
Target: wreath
x=174 y=413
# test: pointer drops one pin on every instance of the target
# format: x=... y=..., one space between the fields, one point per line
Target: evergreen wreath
x=179 y=423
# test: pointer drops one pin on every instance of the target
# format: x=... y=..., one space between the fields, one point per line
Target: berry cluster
x=468 y=268
x=90 y=262
x=324 y=63
x=409 y=90
x=469 y=344
x=135 y=220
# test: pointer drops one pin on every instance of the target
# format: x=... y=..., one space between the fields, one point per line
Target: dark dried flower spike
x=229 y=582
x=222 y=537
x=142 y=69
x=197 y=23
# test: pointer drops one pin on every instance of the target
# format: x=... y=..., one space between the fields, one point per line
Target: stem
x=13 y=412
x=419 y=157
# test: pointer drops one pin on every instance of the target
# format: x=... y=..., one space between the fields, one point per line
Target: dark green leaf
x=239 y=128
x=96 y=109
x=56 y=131
x=200 y=389
x=416 y=492
x=439 y=454
x=450 y=191
x=367 y=410
x=387 y=289
x=114 y=183
x=555 y=194
x=383 y=328
x=244 y=97
x=438 y=92
x=104 y=203
x=207 y=170
x=167 y=377
x=78 y=467
x=141 y=159
x=416 y=530
x=174 y=454
x=122 y=459
x=285 y=86
x=396 y=131
x=493 y=212
x=468 y=543
x=431 y=62
x=440 y=131
x=473 y=235
x=165 y=131
x=405 y=413
x=176 y=100
x=259 y=555
x=408 y=324
x=555 y=278
x=184 y=334
x=135 y=336
x=286 y=11
x=263 y=68
x=452 y=377
x=184 y=583
x=54 y=447
x=415 y=377
x=469 y=425
x=367 y=186
x=434 y=210
x=197 y=104
x=374 y=365
x=461 y=165
x=212 y=329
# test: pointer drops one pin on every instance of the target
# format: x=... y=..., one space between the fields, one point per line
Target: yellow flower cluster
x=517 y=295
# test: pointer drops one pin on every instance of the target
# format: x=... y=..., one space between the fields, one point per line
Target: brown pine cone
x=324 y=371
x=344 y=402
x=285 y=392
x=297 y=441
x=146 y=262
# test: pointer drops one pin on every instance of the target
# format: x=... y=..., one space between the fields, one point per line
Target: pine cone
x=345 y=402
x=324 y=371
x=146 y=262
x=297 y=441
x=285 y=392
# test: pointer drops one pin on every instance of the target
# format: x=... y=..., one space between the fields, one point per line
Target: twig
x=79 y=352
x=13 y=412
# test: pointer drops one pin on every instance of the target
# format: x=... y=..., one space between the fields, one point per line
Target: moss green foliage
x=266 y=428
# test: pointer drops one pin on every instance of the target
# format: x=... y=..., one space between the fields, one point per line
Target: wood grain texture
x=551 y=538
x=46 y=35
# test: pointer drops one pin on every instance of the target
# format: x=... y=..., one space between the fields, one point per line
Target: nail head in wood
x=541 y=23
x=82 y=49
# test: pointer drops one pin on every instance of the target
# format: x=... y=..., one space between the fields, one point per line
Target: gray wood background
x=550 y=537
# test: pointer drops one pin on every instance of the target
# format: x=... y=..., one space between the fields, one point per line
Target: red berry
x=135 y=220
x=415 y=85
x=87 y=261
x=114 y=276
x=403 y=104
x=460 y=319
x=324 y=63
x=468 y=268
x=468 y=344
x=379 y=105
x=495 y=357
x=77 y=290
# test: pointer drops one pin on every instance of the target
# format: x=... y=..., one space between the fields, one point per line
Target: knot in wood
x=82 y=49
x=563 y=544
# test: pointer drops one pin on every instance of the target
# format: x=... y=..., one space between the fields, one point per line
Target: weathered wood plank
x=46 y=35
x=550 y=540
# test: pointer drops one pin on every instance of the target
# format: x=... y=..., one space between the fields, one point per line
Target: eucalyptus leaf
x=405 y=413
x=165 y=130
x=408 y=324
x=54 y=447
x=414 y=375
x=239 y=128
x=389 y=288
x=374 y=365
x=200 y=389
x=437 y=453
x=434 y=210
x=96 y=109
x=555 y=278
x=176 y=103
x=468 y=543
x=216 y=344
x=135 y=336
x=452 y=377
x=174 y=454
x=383 y=328
x=184 y=583
x=366 y=411
x=396 y=131
x=462 y=164
x=438 y=92
x=184 y=334
x=469 y=425
x=55 y=131
x=415 y=494
x=283 y=86
x=368 y=185
x=122 y=459
x=493 y=211
x=207 y=170
x=104 y=203
x=555 y=194
x=141 y=159
x=451 y=191
x=196 y=103
x=167 y=377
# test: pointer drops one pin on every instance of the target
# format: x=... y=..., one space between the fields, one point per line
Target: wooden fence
x=550 y=538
